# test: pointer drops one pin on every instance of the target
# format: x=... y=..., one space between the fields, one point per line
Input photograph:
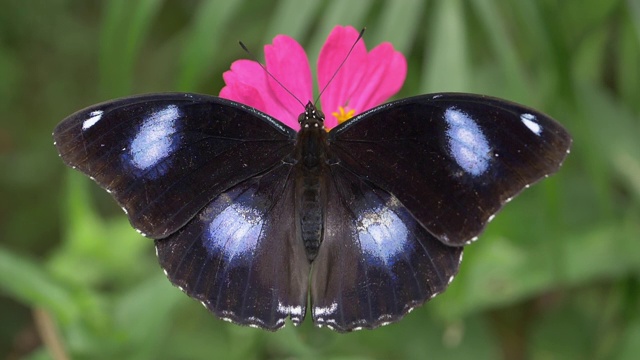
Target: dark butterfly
x=241 y=206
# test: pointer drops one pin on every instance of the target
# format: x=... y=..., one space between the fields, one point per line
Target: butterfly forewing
x=452 y=159
x=165 y=156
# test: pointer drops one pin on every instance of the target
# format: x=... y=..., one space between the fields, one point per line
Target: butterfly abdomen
x=310 y=199
x=311 y=213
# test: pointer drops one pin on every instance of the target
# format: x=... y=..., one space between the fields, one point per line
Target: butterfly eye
x=301 y=118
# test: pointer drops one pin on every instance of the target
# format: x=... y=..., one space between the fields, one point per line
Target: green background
x=555 y=276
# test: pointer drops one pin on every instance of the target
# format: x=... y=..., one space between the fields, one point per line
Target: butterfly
x=362 y=223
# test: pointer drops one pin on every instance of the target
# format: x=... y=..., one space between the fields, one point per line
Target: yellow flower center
x=343 y=116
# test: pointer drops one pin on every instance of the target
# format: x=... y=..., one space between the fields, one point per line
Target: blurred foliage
x=555 y=276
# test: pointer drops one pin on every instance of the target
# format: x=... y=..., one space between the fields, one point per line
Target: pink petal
x=244 y=75
x=344 y=84
x=287 y=62
x=364 y=81
x=247 y=84
x=244 y=94
x=386 y=70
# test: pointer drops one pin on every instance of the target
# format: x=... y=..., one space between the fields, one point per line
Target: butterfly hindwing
x=376 y=261
x=165 y=156
x=240 y=255
x=452 y=159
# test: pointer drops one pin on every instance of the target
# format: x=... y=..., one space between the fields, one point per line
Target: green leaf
x=142 y=316
x=399 y=24
x=501 y=44
x=630 y=347
x=445 y=63
x=290 y=17
x=25 y=280
x=202 y=41
x=125 y=26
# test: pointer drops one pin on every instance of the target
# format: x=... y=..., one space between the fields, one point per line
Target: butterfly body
x=362 y=223
x=310 y=170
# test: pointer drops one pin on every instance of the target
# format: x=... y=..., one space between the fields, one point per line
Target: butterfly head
x=311 y=117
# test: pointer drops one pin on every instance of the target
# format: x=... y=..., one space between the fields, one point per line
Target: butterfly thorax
x=311 y=155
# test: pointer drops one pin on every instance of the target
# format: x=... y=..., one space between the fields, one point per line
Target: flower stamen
x=343 y=115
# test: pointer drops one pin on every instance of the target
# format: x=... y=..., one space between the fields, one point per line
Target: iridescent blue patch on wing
x=154 y=143
x=383 y=236
x=233 y=234
x=467 y=144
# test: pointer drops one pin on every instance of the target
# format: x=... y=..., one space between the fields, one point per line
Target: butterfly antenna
x=342 y=63
x=268 y=73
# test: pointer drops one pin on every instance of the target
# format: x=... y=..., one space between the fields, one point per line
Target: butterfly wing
x=376 y=262
x=165 y=156
x=240 y=255
x=452 y=159
x=209 y=179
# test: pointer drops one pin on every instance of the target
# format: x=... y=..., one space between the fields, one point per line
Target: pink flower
x=366 y=79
